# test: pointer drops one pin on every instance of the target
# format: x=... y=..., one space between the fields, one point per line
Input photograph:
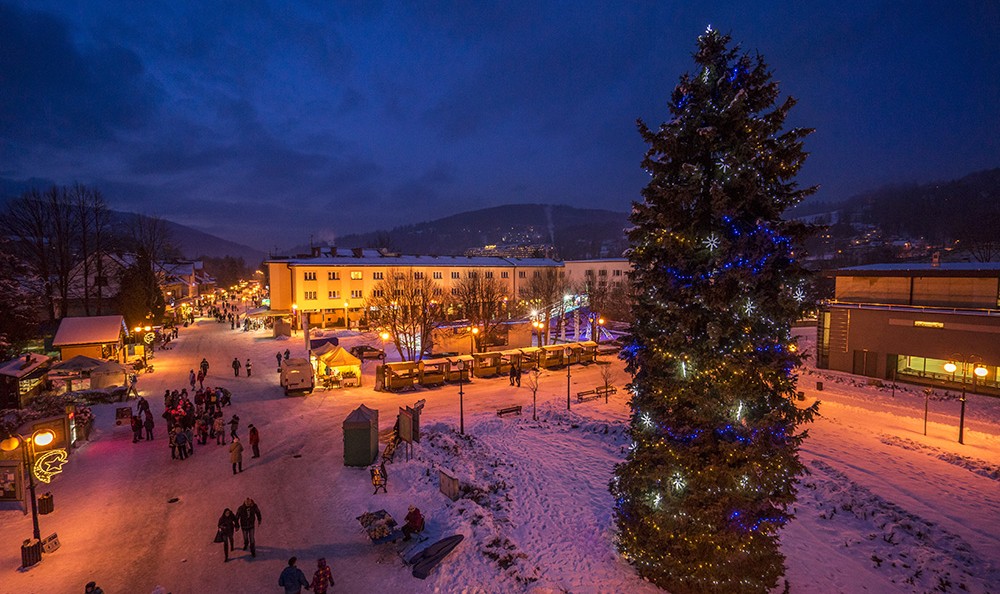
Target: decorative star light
x=712 y=242
x=749 y=309
x=744 y=481
x=799 y=295
x=739 y=411
x=647 y=420
x=677 y=481
x=657 y=499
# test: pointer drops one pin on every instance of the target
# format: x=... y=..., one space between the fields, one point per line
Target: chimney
x=936 y=259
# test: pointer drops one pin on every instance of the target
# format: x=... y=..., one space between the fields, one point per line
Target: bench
x=598 y=392
x=510 y=410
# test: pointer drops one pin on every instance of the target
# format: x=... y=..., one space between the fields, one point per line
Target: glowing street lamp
x=472 y=340
x=347 y=324
x=41 y=438
x=978 y=369
x=461 y=398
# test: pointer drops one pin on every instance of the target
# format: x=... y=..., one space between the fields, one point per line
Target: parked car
x=363 y=351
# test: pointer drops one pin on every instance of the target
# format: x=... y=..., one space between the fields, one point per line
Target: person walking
x=136 y=429
x=517 y=378
x=236 y=454
x=148 y=425
x=248 y=368
x=277 y=357
x=248 y=516
x=191 y=378
x=323 y=578
x=236 y=367
x=201 y=379
x=254 y=438
x=204 y=366
x=513 y=374
x=234 y=425
x=93 y=588
x=181 y=439
x=292 y=579
x=219 y=427
x=227 y=527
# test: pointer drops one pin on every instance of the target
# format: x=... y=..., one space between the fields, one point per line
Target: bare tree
x=92 y=221
x=534 y=374
x=408 y=308
x=483 y=301
x=27 y=221
x=609 y=376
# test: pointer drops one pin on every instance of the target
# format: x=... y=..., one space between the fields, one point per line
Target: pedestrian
x=518 y=377
x=292 y=579
x=248 y=515
x=414 y=522
x=254 y=438
x=234 y=425
x=181 y=439
x=236 y=454
x=277 y=357
x=201 y=379
x=204 y=366
x=136 y=429
x=219 y=427
x=323 y=578
x=248 y=367
x=227 y=526
x=148 y=425
x=513 y=374
x=92 y=588
x=172 y=440
x=236 y=367
x=287 y=353
x=191 y=378
x=142 y=405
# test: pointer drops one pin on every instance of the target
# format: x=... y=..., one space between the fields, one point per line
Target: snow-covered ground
x=885 y=509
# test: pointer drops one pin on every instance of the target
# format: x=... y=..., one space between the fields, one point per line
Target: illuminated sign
x=922 y=324
x=50 y=463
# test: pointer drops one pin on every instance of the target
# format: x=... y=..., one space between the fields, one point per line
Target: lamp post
x=347 y=321
x=295 y=317
x=596 y=322
x=42 y=437
x=978 y=369
x=566 y=353
x=472 y=340
x=461 y=398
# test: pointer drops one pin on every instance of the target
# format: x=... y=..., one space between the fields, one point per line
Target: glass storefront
x=911 y=367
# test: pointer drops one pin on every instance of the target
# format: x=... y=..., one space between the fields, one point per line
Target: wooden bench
x=510 y=410
x=598 y=392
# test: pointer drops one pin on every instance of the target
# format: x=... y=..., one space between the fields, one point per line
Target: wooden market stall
x=529 y=357
x=508 y=358
x=486 y=364
x=551 y=356
x=401 y=375
x=588 y=352
x=337 y=367
x=433 y=372
x=454 y=374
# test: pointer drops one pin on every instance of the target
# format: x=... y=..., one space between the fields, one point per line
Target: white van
x=297 y=376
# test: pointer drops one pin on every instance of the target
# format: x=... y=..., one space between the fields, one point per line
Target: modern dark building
x=909 y=321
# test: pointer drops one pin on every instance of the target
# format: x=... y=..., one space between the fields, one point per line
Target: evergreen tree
x=713 y=469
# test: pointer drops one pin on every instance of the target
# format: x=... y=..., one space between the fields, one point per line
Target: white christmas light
x=677 y=482
x=647 y=420
x=749 y=308
x=712 y=242
x=799 y=295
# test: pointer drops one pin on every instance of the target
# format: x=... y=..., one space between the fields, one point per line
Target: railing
x=965 y=311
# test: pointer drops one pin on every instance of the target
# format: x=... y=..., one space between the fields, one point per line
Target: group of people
x=142 y=420
x=515 y=375
x=236 y=367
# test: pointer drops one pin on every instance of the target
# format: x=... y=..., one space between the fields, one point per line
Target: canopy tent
x=337 y=361
x=101 y=373
x=361 y=437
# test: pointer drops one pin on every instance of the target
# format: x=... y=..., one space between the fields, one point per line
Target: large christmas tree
x=713 y=469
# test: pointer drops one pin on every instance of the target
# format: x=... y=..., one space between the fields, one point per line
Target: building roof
x=950 y=269
x=402 y=261
x=89 y=330
x=23 y=365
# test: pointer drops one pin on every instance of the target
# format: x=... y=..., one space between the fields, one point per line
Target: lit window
x=356 y=294
x=504 y=274
x=333 y=295
x=438 y=276
x=356 y=275
x=455 y=275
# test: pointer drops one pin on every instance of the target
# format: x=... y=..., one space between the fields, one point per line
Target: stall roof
x=23 y=365
x=338 y=357
x=89 y=330
x=79 y=363
x=437 y=361
x=361 y=415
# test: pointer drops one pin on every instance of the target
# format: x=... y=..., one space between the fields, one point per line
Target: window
x=378 y=293
x=521 y=274
x=356 y=294
x=356 y=275
x=616 y=273
x=438 y=291
x=377 y=276
x=310 y=276
x=602 y=272
x=454 y=291
x=310 y=295
x=437 y=275
x=455 y=275
x=489 y=274
x=418 y=276
x=537 y=274
x=472 y=274
x=504 y=274
x=332 y=276
x=333 y=295
x=399 y=276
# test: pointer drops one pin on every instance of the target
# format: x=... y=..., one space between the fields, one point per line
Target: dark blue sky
x=268 y=122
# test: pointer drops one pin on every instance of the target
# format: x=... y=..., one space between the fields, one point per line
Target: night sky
x=266 y=123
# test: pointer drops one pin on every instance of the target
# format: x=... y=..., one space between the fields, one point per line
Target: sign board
x=448 y=485
x=11 y=480
x=415 y=414
x=50 y=543
x=406 y=424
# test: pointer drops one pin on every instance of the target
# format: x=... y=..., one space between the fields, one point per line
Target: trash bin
x=31 y=552
x=45 y=504
x=819 y=386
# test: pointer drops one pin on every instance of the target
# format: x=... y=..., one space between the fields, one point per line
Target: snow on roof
x=22 y=365
x=390 y=261
x=949 y=269
x=89 y=330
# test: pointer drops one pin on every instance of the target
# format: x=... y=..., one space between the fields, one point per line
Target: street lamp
x=295 y=317
x=347 y=324
x=461 y=398
x=472 y=340
x=42 y=437
x=978 y=369
x=566 y=353
x=596 y=322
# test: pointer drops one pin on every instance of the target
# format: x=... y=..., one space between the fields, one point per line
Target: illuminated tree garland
x=714 y=460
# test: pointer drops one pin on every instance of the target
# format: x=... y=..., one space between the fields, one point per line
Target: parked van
x=297 y=376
